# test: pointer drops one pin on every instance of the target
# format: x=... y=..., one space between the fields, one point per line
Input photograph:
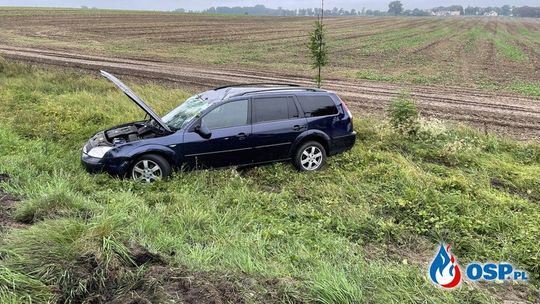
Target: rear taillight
x=346 y=109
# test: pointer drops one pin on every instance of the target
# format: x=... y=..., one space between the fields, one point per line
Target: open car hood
x=136 y=99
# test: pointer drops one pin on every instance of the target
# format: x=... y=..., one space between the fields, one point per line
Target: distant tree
x=506 y=10
x=457 y=8
x=317 y=47
x=354 y=12
x=419 y=12
x=527 y=11
x=472 y=11
x=395 y=8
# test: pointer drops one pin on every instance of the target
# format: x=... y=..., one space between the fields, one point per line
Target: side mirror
x=203 y=131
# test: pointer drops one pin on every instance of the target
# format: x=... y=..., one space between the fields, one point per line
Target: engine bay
x=133 y=132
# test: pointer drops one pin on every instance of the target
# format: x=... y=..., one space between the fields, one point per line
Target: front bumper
x=113 y=166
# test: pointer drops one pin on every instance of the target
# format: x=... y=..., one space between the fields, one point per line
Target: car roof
x=230 y=92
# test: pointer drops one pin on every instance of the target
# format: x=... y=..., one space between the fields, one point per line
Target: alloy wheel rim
x=147 y=171
x=311 y=158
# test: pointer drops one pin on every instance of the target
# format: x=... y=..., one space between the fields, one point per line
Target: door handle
x=297 y=128
x=241 y=136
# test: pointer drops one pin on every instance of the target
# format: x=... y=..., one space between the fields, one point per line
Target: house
x=443 y=13
x=491 y=14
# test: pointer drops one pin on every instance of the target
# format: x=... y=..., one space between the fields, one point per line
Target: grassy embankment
x=360 y=231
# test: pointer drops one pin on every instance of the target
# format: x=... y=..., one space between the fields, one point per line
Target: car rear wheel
x=150 y=168
x=311 y=156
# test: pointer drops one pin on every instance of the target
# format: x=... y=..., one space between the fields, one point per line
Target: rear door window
x=273 y=109
x=315 y=106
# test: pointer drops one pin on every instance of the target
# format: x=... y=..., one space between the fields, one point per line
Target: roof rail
x=257 y=84
x=277 y=90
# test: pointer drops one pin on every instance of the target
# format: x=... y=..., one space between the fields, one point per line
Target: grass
x=503 y=43
x=529 y=89
x=471 y=38
x=411 y=76
x=326 y=237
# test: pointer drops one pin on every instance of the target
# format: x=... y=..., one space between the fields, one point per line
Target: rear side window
x=315 y=106
x=274 y=108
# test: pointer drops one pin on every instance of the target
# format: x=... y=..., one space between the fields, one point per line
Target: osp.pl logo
x=445 y=272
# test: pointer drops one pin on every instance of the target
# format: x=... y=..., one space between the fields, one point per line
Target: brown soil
x=4 y=178
x=511 y=293
x=418 y=251
x=7 y=206
x=506 y=186
x=500 y=113
x=184 y=286
x=158 y=283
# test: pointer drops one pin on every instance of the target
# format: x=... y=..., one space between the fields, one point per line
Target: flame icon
x=444 y=270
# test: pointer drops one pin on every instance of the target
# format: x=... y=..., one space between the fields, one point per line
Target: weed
x=404 y=115
x=374 y=75
x=529 y=89
x=508 y=50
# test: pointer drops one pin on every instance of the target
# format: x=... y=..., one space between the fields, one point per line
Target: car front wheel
x=311 y=156
x=150 y=168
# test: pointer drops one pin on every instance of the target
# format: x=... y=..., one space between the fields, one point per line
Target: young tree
x=317 y=46
x=395 y=8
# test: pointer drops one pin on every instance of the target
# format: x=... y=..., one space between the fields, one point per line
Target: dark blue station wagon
x=228 y=126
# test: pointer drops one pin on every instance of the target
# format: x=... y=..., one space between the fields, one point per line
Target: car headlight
x=99 y=152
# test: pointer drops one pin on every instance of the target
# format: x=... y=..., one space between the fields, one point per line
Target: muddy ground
x=501 y=113
x=458 y=57
x=7 y=207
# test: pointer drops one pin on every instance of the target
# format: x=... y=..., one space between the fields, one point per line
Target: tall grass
x=317 y=231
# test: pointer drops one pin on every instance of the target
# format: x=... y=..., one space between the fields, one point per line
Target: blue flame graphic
x=440 y=262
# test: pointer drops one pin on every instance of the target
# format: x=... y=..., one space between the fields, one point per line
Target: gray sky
x=202 y=4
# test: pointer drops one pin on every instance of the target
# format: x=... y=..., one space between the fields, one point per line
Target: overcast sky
x=202 y=4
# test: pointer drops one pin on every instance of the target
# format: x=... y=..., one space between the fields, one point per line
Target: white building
x=445 y=13
x=491 y=14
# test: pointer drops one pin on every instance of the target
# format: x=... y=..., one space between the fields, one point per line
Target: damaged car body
x=227 y=126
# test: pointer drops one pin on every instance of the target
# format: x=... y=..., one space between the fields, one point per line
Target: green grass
x=410 y=76
x=471 y=37
x=529 y=89
x=503 y=43
x=374 y=75
x=314 y=233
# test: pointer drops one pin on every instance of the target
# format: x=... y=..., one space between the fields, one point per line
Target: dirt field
x=458 y=69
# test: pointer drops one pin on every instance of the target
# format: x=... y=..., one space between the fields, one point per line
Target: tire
x=310 y=156
x=150 y=168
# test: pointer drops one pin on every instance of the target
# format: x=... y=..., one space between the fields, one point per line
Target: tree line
x=395 y=8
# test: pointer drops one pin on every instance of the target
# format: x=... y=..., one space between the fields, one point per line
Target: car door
x=229 y=143
x=277 y=122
